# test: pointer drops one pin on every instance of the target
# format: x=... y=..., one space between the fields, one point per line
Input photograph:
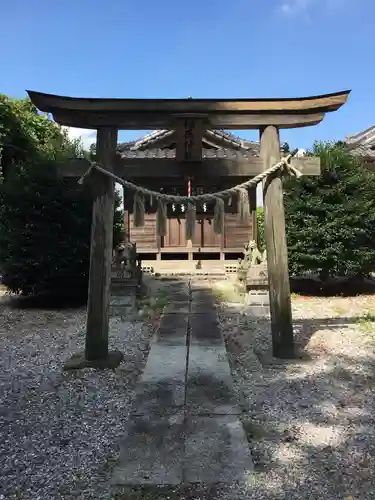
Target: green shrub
x=330 y=219
x=44 y=232
x=45 y=221
x=45 y=225
x=260 y=224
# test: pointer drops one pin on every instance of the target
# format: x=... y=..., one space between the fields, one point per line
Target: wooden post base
x=79 y=361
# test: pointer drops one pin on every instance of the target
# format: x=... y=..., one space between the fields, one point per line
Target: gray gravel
x=59 y=431
x=311 y=423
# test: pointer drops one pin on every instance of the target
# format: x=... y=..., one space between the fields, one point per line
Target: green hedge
x=330 y=219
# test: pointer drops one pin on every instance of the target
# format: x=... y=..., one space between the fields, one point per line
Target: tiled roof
x=366 y=136
x=156 y=135
x=225 y=137
x=227 y=146
x=363 y=143
x=156 y=154
x=364 y=151
x=231 y=139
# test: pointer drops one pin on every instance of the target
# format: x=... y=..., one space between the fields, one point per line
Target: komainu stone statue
x=253 y=266
x=126 y=280
x=125 y=261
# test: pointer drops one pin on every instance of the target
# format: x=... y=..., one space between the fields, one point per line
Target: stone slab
x=209 y=382
x=120 y=292
x=200 y=287
x=122 y=300
x=258 y=311
x=172 y=329
x=161 y=388
x=216 y=451
x=202 y=307
x=177 y=286
x=124 y=289
x=181 y=297
x=121 y=311
x=165 y=363
x=151 y=452
x=177 y=307
x=121 y=305
x=204 y=329
x=165 y=336
x=158 y=398
x=203 y=295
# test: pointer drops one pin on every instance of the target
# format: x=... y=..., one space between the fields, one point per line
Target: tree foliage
x=45 y=221
x=44 y=232
x=27 y=136
x=260 y=227
x=330 y=218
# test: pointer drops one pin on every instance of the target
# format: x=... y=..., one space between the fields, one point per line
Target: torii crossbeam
x=110 y=115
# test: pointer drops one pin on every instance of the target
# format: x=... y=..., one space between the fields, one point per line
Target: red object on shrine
x=189 y=188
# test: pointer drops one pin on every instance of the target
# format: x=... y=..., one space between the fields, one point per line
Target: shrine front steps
x=184 y=425
x=214 y=270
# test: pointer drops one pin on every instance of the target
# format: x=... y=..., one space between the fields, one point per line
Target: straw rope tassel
x=190 y=221
x=243 y=205
x=139 y=210
x=219 y=214
x=161 y=218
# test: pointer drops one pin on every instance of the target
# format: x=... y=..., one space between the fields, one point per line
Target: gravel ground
x=311 y=423
x=60 y=431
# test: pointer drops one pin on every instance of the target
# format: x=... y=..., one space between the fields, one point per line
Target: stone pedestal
x=257 y=293
x=124 y=291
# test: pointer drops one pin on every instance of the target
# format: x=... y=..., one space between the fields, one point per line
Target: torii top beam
x=144 y=114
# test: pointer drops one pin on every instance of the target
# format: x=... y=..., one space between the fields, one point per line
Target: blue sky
x=206 y=48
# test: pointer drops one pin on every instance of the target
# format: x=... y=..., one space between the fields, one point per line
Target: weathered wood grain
x=324 y=102
x=208 y=169
x=189 y=148
x=101 y=249
x=277 y=255
x=162 y=113
x=151 y=121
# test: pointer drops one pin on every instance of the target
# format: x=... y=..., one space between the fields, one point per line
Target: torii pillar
x=276 y=246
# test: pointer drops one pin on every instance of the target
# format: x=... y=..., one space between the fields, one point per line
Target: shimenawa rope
x=162 y=199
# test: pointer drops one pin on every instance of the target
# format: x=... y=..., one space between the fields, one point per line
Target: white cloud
x=87 y=136
x=295 y=7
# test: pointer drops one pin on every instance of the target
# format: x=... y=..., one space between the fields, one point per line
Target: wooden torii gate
x=189 y=117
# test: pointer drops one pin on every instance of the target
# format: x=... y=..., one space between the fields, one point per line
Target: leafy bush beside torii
x=45 y=222
x=330 y=219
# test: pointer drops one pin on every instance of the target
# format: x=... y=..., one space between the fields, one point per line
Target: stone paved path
x=184 y=426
